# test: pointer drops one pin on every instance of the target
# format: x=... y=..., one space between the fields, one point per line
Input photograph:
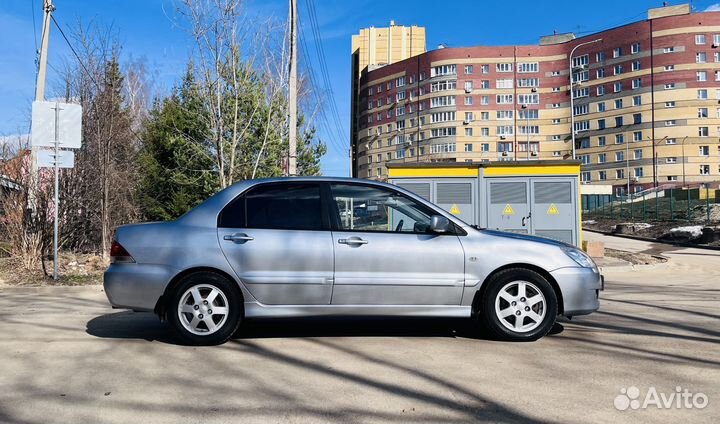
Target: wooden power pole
x=292 y=92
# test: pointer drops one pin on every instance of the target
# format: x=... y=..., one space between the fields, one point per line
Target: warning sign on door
x=508 y=210
x=553 y=210
x=455 y=210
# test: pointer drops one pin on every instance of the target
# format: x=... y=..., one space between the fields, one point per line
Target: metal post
x=292 y=92
x=683 y=158
x=57 y=196
x=572 y=94
x=707 y=203
x=672 y=205
x=644 y=209
x=687 y=197
x=627 y=167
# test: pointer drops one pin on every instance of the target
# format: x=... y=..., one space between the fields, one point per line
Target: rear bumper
x=136 y=286
x=580 y=289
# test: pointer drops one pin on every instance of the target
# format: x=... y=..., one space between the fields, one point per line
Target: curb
x=652 y=240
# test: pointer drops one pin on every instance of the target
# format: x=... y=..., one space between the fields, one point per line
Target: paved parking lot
x=67 y=357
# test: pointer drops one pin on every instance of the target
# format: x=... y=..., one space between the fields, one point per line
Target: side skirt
x=257 y=310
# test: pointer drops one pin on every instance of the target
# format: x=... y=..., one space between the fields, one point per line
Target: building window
x=618 y=121
x=700 y=57
x=670 y=123
x=701 y=76
x=504 y=83
x=485 y=132
x=468 y=100
x=672 y=177
x=618 y=104
x=669 y=67
x=717 y=75
x=619 y=138
x=637 y=136
x=636 y=65
x=617 y=52
x=704 y=169
x=556 y=138
x=601 y=107
x=636 y=83
x=504 y=67
x=602 y=175
x=670 y=104
x=600 y=73
x=485 y=147
x=468 y=132
x=444 y=148
x=703 y=132
x=602 y=157
x=528 y=99
x=637 y=100
x=555 y=105
x=638 y=172
x=620 y=174
x=528 y=114
x=400 y=82
x=702 y=112
x=504 y=114
x=468 y=69
x=504 y=130
x=585 y=176
x=484 y=100
x=556 y=121
x=699 y=39
x=669 y=86
x=527 y=67
x=443 y=70
x=468 y=147
x=484 y=116
x=443 y=132
x=635 y=48
x=468 y=86
x=703 y=150
x=617 y=69
x=528 y=82
x=599 y=56
x=716 y=39
x=422 y=75
x=504 y=147
x=617 y=87
x=485 y=84
x=638 y=154
x=672 y=159
x=670 y=141
x=504 y=99
x=581 y=92
x=601 y=90
x=668 y=49
x=555 y=73
x=702 y=94
x=485 y=69
x=468 y=116
x=601 y=124
x=637 y=118
x=601 y=141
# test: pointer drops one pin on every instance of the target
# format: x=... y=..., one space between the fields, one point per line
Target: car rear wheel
x=519 y=304
x=205 y=309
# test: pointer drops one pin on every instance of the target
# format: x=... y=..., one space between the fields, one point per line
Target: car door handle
x=238 y=237
x=352 y=240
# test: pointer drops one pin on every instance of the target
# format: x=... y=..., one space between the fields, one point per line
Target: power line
x=323 y=66
x=77 y=56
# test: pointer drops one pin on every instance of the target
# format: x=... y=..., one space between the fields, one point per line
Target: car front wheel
x=205 y=309
x=519 y=304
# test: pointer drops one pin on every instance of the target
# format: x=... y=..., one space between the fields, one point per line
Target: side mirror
x=439 y=224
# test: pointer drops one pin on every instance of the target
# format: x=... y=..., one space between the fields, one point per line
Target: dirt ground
x=74 y=269
x=654 y=231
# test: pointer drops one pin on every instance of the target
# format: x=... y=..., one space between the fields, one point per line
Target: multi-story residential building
x=373 y=48
x=645 y=103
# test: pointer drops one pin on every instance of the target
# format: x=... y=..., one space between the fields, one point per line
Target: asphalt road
x=66 y=357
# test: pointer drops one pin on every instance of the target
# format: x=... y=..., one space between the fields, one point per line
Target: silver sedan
x=335 y=246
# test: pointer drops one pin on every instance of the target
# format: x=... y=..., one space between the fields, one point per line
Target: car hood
x=526 y=237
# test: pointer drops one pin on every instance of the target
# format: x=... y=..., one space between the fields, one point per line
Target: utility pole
x=292 y=93
x=48 y=9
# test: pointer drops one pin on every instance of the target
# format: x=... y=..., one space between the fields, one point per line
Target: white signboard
x=69 y=125
x=47 y=159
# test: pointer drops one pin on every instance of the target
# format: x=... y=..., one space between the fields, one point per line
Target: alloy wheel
x=520 y=306
x=203 y=309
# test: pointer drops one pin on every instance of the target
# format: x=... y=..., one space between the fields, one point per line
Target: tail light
x=118 y=254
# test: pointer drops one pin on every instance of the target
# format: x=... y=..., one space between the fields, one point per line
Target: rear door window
x=286 y=206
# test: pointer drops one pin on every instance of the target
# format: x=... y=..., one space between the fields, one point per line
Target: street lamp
x=572 y=93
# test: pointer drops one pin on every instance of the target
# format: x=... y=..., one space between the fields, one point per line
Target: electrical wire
x=77 y=56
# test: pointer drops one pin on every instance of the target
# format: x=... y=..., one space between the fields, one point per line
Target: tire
x=205 y=309
x=518 y=305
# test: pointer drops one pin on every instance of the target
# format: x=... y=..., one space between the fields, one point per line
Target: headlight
x=580 y=257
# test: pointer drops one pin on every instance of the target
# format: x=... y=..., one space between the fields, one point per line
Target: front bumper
x=136 y=286
x=580 y=288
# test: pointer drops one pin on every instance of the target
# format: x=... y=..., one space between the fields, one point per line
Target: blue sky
x=147 y=34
